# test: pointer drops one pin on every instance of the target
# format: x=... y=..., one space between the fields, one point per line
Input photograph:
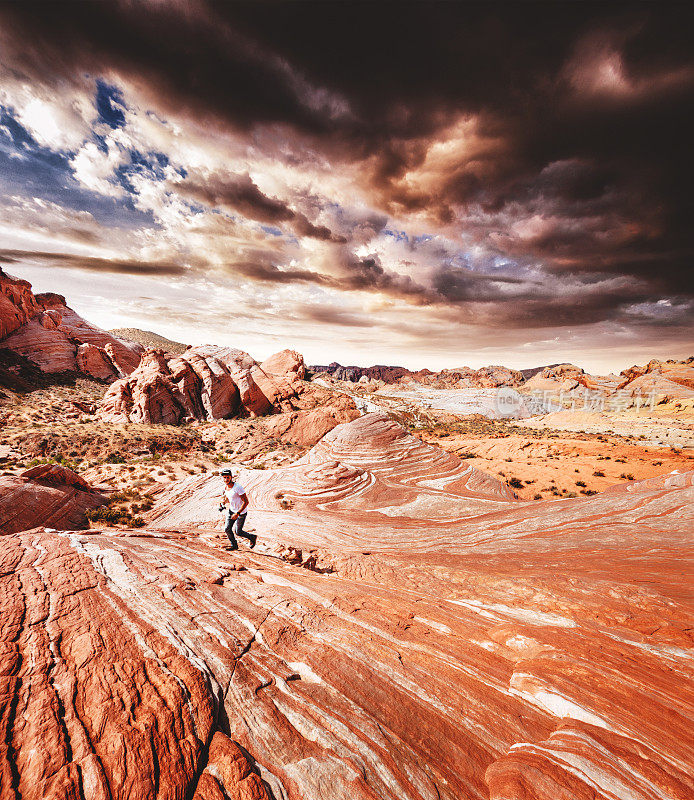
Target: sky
x=431 y=184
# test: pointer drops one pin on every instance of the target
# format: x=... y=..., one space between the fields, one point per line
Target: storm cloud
x=502 y=165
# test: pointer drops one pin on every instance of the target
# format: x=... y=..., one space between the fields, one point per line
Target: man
x=236 y=503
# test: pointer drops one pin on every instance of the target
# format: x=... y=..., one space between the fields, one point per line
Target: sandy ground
x=558 y=467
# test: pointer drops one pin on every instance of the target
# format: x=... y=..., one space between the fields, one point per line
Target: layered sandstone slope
x=548 y=655
x=678 y=372
x=568 y=378
x=45 y=495
x=43 y=329
x=368 y=470
x=210 y=383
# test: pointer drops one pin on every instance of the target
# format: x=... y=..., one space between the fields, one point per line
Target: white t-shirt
x=233 y=495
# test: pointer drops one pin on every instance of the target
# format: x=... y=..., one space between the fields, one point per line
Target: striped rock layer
x=444 y=641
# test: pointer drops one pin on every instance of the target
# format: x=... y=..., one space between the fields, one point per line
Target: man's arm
x=244 y=500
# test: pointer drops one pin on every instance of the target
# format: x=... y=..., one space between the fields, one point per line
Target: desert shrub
x=588 y=492
x=627 y=477
x=114 y=458
x=537 y=496
x=515 y=483
x=598 y=474
x=467 y=455
x=621 y=460
x=580 y=483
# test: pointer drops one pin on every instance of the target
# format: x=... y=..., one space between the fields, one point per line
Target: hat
x=226 y=471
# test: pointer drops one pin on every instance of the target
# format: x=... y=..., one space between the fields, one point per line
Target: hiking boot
x=252 y=538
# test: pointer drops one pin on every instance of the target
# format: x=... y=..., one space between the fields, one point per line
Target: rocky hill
x=150 y=339
x=44 y=330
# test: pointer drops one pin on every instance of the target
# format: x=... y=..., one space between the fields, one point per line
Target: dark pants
x=235 y=526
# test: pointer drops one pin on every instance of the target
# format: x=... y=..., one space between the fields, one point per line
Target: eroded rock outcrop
x=672 y=378
x=204 y=383
x=43 y=329
x=48 y=495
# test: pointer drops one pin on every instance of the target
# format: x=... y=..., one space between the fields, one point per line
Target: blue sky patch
x=110 y=104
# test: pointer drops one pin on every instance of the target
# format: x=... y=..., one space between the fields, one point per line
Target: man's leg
x=240 y=531
x=229 y=529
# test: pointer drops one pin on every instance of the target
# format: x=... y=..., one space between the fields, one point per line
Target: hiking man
x=235 y=502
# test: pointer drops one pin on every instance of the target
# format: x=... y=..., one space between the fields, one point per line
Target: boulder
x=94 y=361
x=286 y=362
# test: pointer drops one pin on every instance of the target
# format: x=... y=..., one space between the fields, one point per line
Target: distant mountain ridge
x=447 y=378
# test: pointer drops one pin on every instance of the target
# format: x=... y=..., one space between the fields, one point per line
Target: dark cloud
x=239 y=193
x=117 y=265
x=578 y=162
x=351 y=274
x=332 y=315
x=263 y=270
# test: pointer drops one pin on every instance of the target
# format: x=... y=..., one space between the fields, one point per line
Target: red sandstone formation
x=44 y=330
x=17 y=304
x=45 y=495
x=206 y=382
x=569 y=378
x=55 y=475
x=434 y=640
x=285 y=362
x=662 y=377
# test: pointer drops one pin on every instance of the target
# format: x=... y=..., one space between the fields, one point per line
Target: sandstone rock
x=659 y=376
x=243 y=371
x=152 y=394
x=286 y=362
x=94 y=361
x=45 y=495
x=55 y=475
x=43 y=329
x=305 y=428
x=228 y=774
x=208 y=383
x=658 y=385
x=17 y=304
